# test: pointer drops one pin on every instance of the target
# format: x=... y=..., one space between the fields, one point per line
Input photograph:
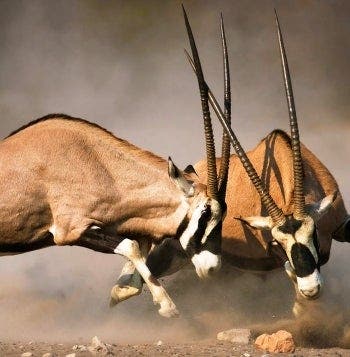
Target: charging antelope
x=296 y=190
x=65 y=181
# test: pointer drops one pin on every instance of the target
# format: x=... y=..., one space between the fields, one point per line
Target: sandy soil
x=203 y=348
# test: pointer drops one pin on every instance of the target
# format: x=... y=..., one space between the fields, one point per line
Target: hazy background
x=121 y=65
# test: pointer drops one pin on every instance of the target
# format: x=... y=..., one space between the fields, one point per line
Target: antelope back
x=272 y=158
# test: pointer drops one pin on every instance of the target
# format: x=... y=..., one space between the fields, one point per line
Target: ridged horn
x=212 y=184
x=225 y=154
x=273 y=210
x=299 y=198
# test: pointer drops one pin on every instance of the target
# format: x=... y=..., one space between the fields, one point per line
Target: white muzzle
x=206 y=263
x=310 y=286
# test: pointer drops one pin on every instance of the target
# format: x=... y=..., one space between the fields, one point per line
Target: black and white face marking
x=202 y=238
x=299 y=240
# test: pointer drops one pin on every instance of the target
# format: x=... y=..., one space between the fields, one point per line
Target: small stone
x=279 y=342
x=27 y=354
x=80 y=348
x=159 y=343
x=48 y=354
x=246 y=354
x=99 y=346
x=71 y=355
x=236 y=335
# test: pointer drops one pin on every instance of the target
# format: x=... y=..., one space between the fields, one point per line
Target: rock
x=246 y=354
x=279 y=342
x=159 y=343
x=235 y=335
x=80 y=348
x=27 y=354
x=49 y=354
x=99 y=346
x=71 y=355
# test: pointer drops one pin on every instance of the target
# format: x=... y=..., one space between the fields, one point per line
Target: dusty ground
x=204 y=348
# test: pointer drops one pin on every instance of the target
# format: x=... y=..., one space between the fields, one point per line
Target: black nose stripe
x=303 y=260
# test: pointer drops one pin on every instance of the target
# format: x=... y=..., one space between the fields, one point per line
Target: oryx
x=291 y=198
x=294 y=232
x=66 y=181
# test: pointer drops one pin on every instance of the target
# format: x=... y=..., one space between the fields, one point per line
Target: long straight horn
x=274 y=211
x=212 y=185
x=299 y=198
x=225 y=156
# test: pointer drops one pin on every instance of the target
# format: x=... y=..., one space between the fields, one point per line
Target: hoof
x=121 y=293
x=169 y=311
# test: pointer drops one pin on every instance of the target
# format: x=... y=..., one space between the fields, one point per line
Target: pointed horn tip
x=184 y=12
x=276 y=18
x=222 y=24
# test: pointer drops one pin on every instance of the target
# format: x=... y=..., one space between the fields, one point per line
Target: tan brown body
x=66 y=181
x=247 y=248
x=64 y=176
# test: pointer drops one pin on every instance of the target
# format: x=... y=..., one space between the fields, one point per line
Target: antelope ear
x=318 y=209
x=179 y=179
x=259 y=222
x=190 y=170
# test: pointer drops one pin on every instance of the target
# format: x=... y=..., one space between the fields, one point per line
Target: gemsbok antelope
x=294 y=200
x=66 y=181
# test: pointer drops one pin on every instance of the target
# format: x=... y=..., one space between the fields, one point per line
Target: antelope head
x=295 y=233
x=201 y=239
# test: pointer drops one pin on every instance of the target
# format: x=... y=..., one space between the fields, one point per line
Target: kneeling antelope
x=65 y=181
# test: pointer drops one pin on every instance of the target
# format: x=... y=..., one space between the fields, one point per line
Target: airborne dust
x=121 y=65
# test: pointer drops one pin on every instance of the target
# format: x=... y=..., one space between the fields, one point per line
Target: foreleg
x=130 y=249
x=129 y=282
x=164 y=259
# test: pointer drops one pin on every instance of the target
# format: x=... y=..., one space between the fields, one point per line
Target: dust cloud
x=121 y=65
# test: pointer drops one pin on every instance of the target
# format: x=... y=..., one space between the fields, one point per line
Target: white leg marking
x=130 y=249
x=128 y=269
